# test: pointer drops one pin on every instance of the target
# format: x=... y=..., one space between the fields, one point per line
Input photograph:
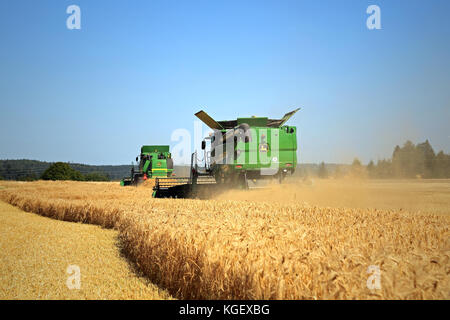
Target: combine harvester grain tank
x=255 y=148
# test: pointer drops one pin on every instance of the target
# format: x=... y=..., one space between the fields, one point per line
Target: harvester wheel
x=281 y=176
x=241 y=181
x=245 y=181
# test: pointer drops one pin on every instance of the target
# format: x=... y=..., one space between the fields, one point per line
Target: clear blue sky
x=137 y=70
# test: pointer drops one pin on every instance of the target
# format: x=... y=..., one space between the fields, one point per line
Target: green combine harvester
x=154 y=161
x=240 y=150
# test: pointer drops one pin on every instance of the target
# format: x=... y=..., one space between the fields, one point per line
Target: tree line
x=58 y=171
x=407 y=162
x=62 y=171
x=29 y=170
x=412 y=161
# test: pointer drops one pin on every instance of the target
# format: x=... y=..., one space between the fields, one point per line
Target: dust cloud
x=424 y=196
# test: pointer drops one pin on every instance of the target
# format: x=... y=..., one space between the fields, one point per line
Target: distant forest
x=412 y=161
x=28 y=170
x=408 y=161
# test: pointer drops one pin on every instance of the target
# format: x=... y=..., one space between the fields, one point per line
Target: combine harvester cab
x=254 y=148
x=154 y=161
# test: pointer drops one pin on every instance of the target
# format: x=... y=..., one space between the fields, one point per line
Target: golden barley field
x=312 y=241
x=36 y=252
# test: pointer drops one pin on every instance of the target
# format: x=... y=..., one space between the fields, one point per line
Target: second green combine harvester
x=244 y=149
x=154 y=161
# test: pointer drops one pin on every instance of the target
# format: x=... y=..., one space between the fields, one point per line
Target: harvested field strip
x=35 y=253
x=258 y=250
